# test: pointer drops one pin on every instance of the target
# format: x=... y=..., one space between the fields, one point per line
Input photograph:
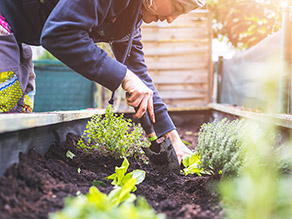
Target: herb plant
x=111 y=135
x=220 y=148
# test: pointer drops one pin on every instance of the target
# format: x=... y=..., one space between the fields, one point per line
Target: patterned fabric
x=11 y=94
x=4 y=27
x=28 y=101
x=10 y=91
x=12 y=99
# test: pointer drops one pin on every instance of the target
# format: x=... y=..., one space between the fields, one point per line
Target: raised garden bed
x=37 y=185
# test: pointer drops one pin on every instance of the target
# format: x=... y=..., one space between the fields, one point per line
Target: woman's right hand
x=138 y=94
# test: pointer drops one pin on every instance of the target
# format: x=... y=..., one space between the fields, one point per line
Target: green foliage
x=191 y=164
x=96 y=204
x=245 y=23
x=118 y=204
x=120 y=178
x=220 y=147
x=261 y=190
x=112 y=137
x=70 y=155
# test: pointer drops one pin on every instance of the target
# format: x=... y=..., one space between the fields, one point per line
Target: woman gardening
x=69 y=30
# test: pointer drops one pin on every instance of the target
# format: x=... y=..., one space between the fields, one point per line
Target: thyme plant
x=220 y=147
x=112 y=136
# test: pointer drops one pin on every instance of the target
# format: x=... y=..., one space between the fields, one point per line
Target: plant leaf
x=191 y=163
x=98 y=183
x=139 y=175
x=70 y=155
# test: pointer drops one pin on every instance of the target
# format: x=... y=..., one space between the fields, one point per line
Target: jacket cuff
x=112 y=73
x=163 y=123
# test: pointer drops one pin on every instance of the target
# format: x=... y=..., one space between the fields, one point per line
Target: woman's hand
x=180 y=148
x=138 y=95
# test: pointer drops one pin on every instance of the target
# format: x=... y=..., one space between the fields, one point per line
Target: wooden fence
x=179 y=59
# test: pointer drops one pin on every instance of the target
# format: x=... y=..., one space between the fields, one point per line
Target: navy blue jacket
x=69 y=29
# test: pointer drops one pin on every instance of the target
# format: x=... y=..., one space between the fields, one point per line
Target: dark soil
x=38 y=185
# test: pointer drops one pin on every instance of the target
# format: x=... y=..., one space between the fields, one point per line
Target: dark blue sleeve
x=136 y=63
x=66 y=36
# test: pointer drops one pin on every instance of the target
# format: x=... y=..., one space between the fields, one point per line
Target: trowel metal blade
x=165 y=159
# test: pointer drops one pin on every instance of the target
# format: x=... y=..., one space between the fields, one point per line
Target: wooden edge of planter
x=283 y=120
x=173 y=109
x=15 y=122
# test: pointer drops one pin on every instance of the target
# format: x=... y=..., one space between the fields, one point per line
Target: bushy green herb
x=220 y=147
x=120 y=178
x=261 y=190
x=110 y=134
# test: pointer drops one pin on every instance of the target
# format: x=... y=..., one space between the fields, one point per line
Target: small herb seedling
x=70 y=155
x=191 y=164
x=120 y=178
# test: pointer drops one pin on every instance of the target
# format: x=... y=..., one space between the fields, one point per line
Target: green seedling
x=120 y=178
x=70 y=155
x=120 y=203
x=191 y=164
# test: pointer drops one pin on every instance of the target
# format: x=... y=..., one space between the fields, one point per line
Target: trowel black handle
x=146 y=123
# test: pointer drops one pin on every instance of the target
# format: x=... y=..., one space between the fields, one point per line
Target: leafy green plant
x=261 y=190
x=118 y=204
x=110 y=134
x=220 y=148
x=120 y=178
x=191 y=164
x=70 y=155
x=96 y=204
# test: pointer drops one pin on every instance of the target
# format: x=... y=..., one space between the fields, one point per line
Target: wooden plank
x=177 y=44
x=162 y=48
x=15 y=122
x=174 y=34
x=192 y=17
x=181 y=77
x=176 y=51
x=284 y=120
x=182 y=60
x=178 y=66
x=194 y=87
x=181 y=94
x=211 y=75
x=190 y=40
x=171 y=103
